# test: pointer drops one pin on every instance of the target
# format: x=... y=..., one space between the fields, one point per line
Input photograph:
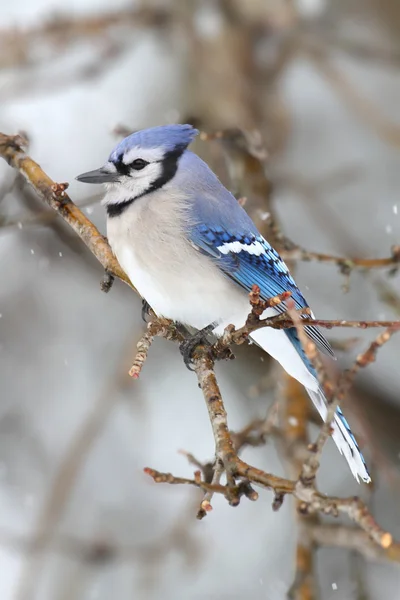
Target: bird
x=193 y=254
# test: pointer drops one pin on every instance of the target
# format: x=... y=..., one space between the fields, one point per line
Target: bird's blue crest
x=168 y=137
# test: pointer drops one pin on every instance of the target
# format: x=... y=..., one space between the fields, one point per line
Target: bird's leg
x=145 y=310
x=189 y=345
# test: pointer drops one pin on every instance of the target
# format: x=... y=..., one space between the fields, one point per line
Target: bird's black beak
x=98 y=176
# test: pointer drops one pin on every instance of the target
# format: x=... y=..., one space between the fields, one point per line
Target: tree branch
x=345 y=264
x=311 y=501
x=55 y=196
x=354 y=539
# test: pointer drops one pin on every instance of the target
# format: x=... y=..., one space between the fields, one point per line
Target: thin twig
x=290 y=251
x=205 y=504
x=143 y=347
x=254 y=434
x=224 y=448
x=311 y=501
x=356 y=539
x=53 y=194
x=345 y=264
x=283 y=322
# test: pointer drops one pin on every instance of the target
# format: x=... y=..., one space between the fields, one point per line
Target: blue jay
x=193 y=253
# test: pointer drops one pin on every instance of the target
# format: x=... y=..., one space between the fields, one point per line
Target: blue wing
x=219 y=227
x=248 y=258
x=266 y=269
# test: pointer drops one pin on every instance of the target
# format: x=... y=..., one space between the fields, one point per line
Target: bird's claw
x=189 y=345
x=145 y=310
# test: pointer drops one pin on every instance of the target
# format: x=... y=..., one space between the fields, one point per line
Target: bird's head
x=141 y=163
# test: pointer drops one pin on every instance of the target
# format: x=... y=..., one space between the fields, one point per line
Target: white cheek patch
x=148 y=154
x=256 y=248
x=134 y=185
x=141 y=181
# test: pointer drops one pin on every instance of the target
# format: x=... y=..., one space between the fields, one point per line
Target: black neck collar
x=115 y=210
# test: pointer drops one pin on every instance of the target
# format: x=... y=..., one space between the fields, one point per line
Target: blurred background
x=315 y=85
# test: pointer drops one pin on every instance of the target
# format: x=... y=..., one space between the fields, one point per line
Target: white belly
x=195 y=297
x=177 y=282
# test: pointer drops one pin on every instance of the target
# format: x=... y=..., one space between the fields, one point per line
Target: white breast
x=176 y=280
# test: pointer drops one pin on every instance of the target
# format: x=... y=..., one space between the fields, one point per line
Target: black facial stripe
x=169 y=168
x=121 y=167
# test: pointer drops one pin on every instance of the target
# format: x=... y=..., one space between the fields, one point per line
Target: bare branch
x=283 y=322
x=143 y=347
x=53 y=194
x=310 y=500
x=356 y=539
x=345 y=265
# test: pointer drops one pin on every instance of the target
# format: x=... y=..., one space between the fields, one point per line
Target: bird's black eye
x=138 y=164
